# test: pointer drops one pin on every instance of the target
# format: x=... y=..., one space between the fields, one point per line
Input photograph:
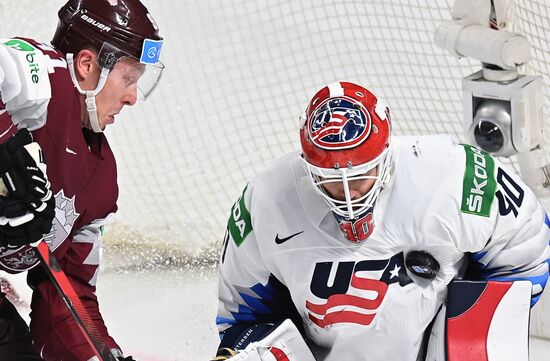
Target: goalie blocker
x=482 y=321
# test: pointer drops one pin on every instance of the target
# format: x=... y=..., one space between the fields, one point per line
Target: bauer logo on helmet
x=95 y=23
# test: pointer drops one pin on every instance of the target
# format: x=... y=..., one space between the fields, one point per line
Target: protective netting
x=238 y=75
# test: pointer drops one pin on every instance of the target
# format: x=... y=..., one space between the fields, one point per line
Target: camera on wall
x=503 y=118
x=502 y=108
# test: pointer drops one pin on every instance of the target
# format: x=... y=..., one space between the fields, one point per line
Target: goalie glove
x=283 y=343
x=27 y=205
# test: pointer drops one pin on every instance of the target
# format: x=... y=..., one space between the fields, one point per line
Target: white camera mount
x=502 y=109
x=503 y=118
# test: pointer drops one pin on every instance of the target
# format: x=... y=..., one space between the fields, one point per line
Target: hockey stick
x=74 y=304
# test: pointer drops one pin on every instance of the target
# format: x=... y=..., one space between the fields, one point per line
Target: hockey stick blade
x=74 y=304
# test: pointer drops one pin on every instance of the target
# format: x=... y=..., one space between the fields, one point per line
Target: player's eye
x=129 y=79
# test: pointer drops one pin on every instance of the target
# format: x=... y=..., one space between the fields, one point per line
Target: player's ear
x=85 y=64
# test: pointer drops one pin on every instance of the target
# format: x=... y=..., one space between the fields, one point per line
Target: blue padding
x=478 y=256
x=224 y=320
x=256 y=304
x=266 y=292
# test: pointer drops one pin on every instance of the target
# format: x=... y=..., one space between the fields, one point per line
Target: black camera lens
x=488 y=136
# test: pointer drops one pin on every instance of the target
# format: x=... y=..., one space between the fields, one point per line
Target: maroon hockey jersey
x=82 y=170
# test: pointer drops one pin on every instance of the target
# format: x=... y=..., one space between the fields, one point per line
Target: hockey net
x=240 y=72
x=238 y=75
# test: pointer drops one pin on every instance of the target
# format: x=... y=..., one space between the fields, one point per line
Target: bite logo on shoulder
x=355 y=292
x=30 y=56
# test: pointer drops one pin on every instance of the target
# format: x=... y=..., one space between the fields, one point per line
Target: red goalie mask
x=345 y=138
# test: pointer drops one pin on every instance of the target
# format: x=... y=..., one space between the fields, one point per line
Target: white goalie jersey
x=283 y=250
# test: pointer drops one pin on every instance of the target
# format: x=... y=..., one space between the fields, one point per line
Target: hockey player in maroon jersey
x=104 y=56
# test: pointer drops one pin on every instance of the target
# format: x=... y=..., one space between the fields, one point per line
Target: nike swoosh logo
x=283 y=240
x=70 y=151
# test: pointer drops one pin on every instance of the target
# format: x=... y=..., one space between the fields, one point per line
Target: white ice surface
x=161 y=315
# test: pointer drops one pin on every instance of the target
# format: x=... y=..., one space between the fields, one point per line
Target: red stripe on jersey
x=342 y=317
x=346 y=300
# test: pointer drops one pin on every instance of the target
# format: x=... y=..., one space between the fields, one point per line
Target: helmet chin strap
x=90 y=94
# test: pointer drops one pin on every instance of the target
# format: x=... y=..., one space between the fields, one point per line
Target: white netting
x=238 y=75
x=240 y=72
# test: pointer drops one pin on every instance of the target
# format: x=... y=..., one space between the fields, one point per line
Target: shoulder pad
x=24 y=82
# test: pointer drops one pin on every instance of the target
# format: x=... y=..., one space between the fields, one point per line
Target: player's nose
x=354 y=194
x=130 y=98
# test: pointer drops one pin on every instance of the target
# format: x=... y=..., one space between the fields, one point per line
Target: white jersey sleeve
x=24 y=83
x=518 y=248
x=248 y=291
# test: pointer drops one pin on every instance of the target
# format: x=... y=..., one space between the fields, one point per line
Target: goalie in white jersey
x=357 y=237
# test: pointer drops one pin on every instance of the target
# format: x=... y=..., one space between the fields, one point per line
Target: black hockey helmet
x=116 y=29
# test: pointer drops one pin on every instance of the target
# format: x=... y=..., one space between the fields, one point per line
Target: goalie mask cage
x=240 y=72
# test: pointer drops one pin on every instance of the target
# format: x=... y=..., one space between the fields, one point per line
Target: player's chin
x=107 y=121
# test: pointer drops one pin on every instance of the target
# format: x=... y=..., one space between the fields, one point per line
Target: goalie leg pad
x=488 y=320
